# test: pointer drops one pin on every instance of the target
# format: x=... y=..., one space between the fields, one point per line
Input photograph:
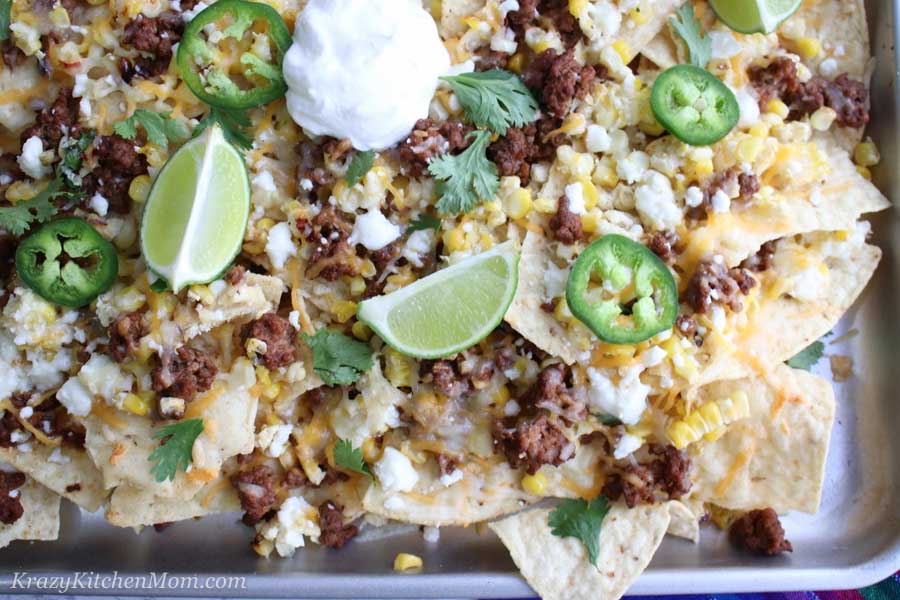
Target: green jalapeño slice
x=622 y=291
x=230 y=54
x=67 y=262
x=693 y=105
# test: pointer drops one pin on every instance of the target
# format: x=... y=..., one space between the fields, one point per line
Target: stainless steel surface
x=853 y=541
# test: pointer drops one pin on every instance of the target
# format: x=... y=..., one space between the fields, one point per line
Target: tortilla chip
x=842 y=24
x=661 y=50
x=775 y=458
x=40 y=519
x=131 y=506
x=121 y=450
x=78 y=479
x=369 y=414
x=452 y=14
x=558 y=568
x=685 y=519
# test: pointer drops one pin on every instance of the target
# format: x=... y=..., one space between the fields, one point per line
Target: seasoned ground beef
x=430 y=139
x=666 y=245
x=311 y=167
x=184 y=373
x=487 y=59
x=565 y=225
x=671 y=470
x=125 y=334
x=448 y=380
x=154 y=37
x=748 y=184
x=330 y=259
x=8 y=424
x=118 y=162
x=635 y=484
x=739 y=186
x=12 y=55
x=279 y=336
x=687 y=326
x=555 y=13
x=762 y=260
x=550 y=393
x=446 y=464
x=532 y=442
x=558 y=79
x=512 y=152
x=235 y=275
x=11 y=509
x=256 y=489
x=760 y=532
x=714 y=283
x=667 y=474
x=55 y=121
x=519 y=20
x=295 y=477
x=334 y=534
x=778 y=79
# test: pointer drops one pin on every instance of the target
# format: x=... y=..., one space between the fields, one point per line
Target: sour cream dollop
x=364 y=71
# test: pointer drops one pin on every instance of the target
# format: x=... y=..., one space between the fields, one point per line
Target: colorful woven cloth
x=889 y=589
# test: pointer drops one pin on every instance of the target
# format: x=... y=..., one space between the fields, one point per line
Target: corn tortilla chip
x=685 y=519
x=73 y=475
x=40 y=519
x=130 y=506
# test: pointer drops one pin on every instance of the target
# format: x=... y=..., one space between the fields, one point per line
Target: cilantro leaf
x=359 y=166
x=350 y=458
x=495 y=99
x=5 y=9
x=72 y=157
x=688 y=27
x=160 y=128
x=582 y=520
x=807 y=357
x=18 y=218
x=338 y=359
x=426 y=221
x=465 y=179
x=175 y=453
x=233 y=124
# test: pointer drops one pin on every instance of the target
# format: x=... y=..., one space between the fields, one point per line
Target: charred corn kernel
x=623 y=50
x=406 y=562
x=576 y=7
x=545 y=205
x=866 y=154
x=808 y=47
x=822 y=119
x=535 y=484
x=518 y=204
x=760 y=130
x=865 y=172
x=401 y=279
x=777 y=107
x=343 y=310
x=130 y=299
x=455 y=240
x=590 y=222
x=139 y=188
x=361 y=331
x=262 y=375
x=21 y=190
x=749 y=148
x=516 y=63
x=357 y=285
x=136 y=405
x=397 y=369
x=264 y=224
x=639 y=16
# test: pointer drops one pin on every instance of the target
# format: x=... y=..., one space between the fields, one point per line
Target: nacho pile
x=261 y=393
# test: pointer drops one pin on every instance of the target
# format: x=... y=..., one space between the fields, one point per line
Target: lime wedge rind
x=450 y=310
x=759 y=16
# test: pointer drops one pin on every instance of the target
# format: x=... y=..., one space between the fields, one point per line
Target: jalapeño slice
x=218 y=68
x=693 y=105
x=67 y=262
x=622 y=291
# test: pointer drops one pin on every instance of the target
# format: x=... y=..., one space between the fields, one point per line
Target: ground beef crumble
x=760 y=532
x=11 y=508
x=125 y=334
x=118 y=162
x=334 y=534
x=558 y=79
x=668 y=474
x=183 y=373
x=430 y=139
x=256 y=490
x=714 y=283
x=565 y=224
x=761 y=260
x=331 y=257
x=154 y=37
x=666 y=245
x=56 y=121
x=278 y=335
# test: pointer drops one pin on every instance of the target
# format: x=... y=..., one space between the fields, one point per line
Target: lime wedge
x=450 y=310
x=754 y=16
x=197 y=212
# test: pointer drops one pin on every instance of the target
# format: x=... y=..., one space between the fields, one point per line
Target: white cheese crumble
x=597 y=139
x=264 y=181
x=99 y=204
x=373 y=230
x=395 y=472
x=289 y=527
x=418 y=244
x=280 y=246
x=693 y=196
x=575 y=195
x=632 y=167
x=655 y=202
x=273 y=439
x=720 y=202
x=451 y=478
x=75 y=397
x=30 y=158
x=724 y=46
x=627 y=445
x=625 y=401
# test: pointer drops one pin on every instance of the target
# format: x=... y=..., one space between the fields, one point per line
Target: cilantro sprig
x=359 y=166
x=688 y=28
x=338 y=359
x=466 y=179
x=161 y=128
x=5 y=10
x=233 y=123
x=495 y=99
x=175 y=454
x=581 y=520
x=806 y=358
x=424 y=222
x=350 y=458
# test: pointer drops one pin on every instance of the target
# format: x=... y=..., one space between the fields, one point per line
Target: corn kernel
x=518 y=204
x=136 y=405
x=370 y=450
x=516 y=63
x=865 y=172
x=605 y=173
x=576 y=7
x=455 y=240
x=808 y=47
x=264 y=224
x=749 y=148
x=406 y=562
x=639 y=16
x=361 y=331
x=535 y=484
x=343 y=310
x=760 y=130
x=590 y=222
x=262 y=375
x=271 y=391
x=589 y=191
x=545 y=205
x=139 y=188
x=501 y=396
x=777 y=107
x=865 y=154
x=59 y=16
x=397 y=369
x=21 y=190
x=681 y=435
x=822 y=119
x=623 y=50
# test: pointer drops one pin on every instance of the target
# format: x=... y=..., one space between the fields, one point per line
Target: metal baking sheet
x=853 y=541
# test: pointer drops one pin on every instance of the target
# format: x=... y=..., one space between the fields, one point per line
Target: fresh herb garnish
x=350 y=458
x=338 y=359
x=688 y=27
x=581 y=520
x=424 y=222
x=5 y=10
x=359 y=166
x=807 y=357
x=176 y=452
x=466 y=179
x=160 y=127
x=609 y=420
x=233 y=123
x=494 y=99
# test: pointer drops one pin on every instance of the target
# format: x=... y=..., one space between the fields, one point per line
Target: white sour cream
x=364 y=71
